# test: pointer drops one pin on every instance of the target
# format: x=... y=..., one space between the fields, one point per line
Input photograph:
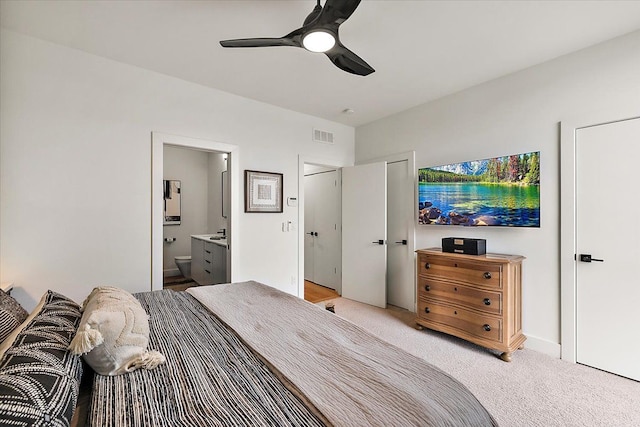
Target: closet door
x=322 y=219
x=327 y=233
x=309 y=227
x=608 y=295
x=364 y=233
x=401 y=290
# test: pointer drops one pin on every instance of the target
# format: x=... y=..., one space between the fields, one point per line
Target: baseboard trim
x=170 y=272
x=543 y=346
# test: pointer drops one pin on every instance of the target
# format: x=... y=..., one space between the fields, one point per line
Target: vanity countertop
x=218 y=239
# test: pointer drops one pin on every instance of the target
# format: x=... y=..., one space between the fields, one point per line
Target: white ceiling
x=421 y=50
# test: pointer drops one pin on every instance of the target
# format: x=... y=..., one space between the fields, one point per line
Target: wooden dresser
x=473 y=297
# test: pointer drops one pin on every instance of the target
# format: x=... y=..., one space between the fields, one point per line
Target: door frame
x=568 y=234
x=158 y=141
x=412 y=190
x=412 y=220
x=322 y=161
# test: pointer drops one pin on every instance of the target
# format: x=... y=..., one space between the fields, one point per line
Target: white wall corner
x=543 y=346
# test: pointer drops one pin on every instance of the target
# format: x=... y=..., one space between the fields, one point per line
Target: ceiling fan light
x=318 y=41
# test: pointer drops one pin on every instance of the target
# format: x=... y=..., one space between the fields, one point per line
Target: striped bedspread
x=210 y=378
x=267 y=358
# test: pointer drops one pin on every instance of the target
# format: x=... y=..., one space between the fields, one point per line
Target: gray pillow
x=11 y=315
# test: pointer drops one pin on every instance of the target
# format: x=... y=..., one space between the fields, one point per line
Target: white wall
x=75 y=148
x=191 y=168
x=517 y=113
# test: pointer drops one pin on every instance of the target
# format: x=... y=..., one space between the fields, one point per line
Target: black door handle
x=315 y=233
x=380 y=242
x=310 y=233
x=403 y=241
x=588 y=258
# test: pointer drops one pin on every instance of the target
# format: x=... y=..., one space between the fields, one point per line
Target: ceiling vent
x=322 y=136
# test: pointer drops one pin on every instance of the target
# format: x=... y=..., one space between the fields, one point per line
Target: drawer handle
x=427 y=288
x=426 y=310
x=207 y=261
x=486 y=301
x=208 y=272
x=427 y=266
x=210 y=252
x=486 y=327
x=487 y=275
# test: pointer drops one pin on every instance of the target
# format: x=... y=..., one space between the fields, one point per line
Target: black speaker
x=461 y=245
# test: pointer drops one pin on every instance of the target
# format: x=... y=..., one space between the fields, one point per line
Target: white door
x=608 y=287
x=309 y=225
x=400 y=268
x=364 y=233
x=322 y=218
x=327 y=232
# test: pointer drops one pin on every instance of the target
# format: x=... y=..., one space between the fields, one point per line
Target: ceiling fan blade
x=337 y=11
x=348 y=61
x=260 y=42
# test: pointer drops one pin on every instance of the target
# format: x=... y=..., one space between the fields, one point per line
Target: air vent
x=322 y=136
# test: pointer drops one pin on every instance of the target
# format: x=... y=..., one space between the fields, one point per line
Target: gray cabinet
x=197 y=260
x=208 y=262
x=219 y=264
x=209 y=249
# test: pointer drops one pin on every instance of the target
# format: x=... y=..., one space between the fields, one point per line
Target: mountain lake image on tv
x=502 y=191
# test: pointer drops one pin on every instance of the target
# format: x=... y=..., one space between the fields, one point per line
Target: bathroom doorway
x=193 y=187
x=193 y=190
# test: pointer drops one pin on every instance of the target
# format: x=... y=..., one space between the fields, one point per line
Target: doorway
x=158 y=143
x=599 y=295
x=193 y=190
x=399 y=241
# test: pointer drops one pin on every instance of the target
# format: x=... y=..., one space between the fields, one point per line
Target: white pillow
x=114 y=333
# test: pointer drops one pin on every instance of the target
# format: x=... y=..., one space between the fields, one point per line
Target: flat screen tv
x=503 y=191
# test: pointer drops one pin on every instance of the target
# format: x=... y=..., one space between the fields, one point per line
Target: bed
x=245 y=354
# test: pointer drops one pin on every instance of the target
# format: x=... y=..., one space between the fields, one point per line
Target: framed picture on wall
x=262 y=191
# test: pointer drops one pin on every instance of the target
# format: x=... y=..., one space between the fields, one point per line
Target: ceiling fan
x=319 y=33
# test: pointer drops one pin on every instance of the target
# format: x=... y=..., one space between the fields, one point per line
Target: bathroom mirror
x=171 y=189
x=225 y=195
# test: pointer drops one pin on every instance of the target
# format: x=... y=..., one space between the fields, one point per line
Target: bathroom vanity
x=209 y=259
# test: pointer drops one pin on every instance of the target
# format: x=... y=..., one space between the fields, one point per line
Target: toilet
x=184 y=265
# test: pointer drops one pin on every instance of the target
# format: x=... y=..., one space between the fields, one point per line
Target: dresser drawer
x=208 y=252
x=474 y=298
x=444 y=317
x=489 y=275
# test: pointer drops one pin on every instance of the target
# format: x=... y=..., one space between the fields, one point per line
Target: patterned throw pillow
x=39 y=377
x=11 y=315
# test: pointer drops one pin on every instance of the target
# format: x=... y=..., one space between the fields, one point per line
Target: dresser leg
x=419 y=327
x=521 y=347
x=506 y=356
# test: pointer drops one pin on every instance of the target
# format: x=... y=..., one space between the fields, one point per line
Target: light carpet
x=533 y=390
